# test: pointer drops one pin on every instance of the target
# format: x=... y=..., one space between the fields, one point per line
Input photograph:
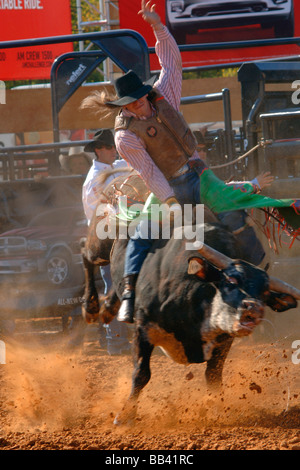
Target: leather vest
x=167 y=137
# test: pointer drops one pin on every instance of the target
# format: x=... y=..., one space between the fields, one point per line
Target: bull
x=190 y=303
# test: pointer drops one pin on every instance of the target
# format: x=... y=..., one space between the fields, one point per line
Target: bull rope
x=262 y=143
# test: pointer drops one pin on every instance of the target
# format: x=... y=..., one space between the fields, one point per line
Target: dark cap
x=101 y=138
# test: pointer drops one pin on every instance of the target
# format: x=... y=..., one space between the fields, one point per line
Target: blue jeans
x=187 y=188
x=137 y=249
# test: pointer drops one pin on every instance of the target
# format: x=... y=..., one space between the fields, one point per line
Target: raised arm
x=169 y=82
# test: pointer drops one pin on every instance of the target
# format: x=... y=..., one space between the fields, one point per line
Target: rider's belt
x=184 y=169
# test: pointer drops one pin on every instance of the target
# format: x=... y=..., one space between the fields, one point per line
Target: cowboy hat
x=101 y=138
x=130 y=88
x=73 y=152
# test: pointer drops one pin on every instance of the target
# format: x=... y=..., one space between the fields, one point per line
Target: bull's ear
x=280 y=302
x=203 y=270
x=197 y=266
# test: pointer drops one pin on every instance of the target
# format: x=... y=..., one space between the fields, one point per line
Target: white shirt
x=92 y=189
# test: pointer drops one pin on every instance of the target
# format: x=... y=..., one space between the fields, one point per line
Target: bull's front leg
x=142 y=351
x=214 y=366
x=90 y=305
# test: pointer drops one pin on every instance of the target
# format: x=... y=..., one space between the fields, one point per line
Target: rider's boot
x=126 y=310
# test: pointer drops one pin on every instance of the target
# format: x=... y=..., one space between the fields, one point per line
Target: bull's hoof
x=90 y=309
x=89 y=317
x=106 y=311
x=126 y=416
x=118 y=421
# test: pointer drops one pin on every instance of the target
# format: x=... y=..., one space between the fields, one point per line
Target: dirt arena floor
x=53 y=398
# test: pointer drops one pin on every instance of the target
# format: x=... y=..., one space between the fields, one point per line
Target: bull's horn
x=280 y=286
x=215 y=257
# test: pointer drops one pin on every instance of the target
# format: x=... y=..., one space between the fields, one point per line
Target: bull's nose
x=252 y=311
x=254 y=305
x=251 y=316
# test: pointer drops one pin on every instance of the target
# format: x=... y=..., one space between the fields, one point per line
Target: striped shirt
x=169 y=82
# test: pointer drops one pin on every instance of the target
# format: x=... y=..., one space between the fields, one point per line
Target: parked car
x=41 y=265
x=47 y=250
x=189 y=16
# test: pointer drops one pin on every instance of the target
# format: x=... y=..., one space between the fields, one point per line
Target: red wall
x=26 y=19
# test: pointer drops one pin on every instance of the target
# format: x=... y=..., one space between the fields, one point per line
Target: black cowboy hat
x=130 y=88
x=101 y=138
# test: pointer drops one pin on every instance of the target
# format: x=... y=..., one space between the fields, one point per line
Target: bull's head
x=243 y=288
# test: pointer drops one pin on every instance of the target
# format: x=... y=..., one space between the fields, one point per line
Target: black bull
x=191 y=303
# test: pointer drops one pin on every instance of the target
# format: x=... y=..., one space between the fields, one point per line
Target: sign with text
x=209 y=22
x=28 y=19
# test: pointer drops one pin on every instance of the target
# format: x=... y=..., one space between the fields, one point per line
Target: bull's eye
x=233 y=281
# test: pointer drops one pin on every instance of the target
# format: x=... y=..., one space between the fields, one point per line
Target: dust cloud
x=52 y=397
